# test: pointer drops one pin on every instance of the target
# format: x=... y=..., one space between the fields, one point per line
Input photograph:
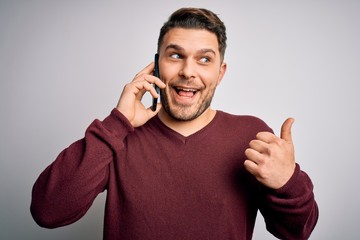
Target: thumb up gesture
x=271 y=159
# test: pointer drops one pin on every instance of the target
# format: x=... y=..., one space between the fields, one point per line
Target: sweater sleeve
x=291 y=212
x=66 y=189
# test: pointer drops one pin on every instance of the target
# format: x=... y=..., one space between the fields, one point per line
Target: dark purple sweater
x=162 y=185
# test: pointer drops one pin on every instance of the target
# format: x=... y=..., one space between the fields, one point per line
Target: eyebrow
x=179 y=48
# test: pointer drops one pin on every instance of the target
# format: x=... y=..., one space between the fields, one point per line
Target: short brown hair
x=196 y=18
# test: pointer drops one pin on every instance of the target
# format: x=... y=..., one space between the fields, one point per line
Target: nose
x=188 y=69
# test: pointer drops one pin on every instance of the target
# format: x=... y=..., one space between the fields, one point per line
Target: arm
x=67 y=188
x=288 y=206
x=290 y=212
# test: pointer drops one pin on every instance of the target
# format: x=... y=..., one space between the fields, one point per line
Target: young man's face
x=190 y=65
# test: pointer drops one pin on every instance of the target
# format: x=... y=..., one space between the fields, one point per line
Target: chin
x=185 y=113
x=182 y=112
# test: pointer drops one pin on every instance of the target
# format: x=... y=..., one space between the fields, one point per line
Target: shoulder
x=242 y=122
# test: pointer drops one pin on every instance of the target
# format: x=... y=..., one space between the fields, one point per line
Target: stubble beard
x=181 y=112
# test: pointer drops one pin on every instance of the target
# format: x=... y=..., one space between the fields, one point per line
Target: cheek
x=167 y=75
x=211 y=79
x=168 y=71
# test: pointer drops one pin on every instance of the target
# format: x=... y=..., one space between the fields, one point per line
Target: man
x=184 y=171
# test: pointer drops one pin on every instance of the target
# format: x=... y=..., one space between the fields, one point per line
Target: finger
x=149 y=79
x=251 y=167
x=141 y=79
x=286 y=130
x=142 y=87
x=254 y=156
x=159 y=83
x=266 y=137
x=153 y=91
x=258 y=145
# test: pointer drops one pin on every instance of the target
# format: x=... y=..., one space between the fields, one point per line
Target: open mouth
x=185 y=92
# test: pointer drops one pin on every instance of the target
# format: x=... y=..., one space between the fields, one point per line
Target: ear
x=222 y=72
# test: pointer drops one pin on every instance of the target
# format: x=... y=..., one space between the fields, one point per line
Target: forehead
x=191 y=39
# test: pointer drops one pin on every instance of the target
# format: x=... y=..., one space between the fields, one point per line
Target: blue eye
x=175 y=55
x=204 y=60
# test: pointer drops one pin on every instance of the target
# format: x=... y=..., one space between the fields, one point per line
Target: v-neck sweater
x=162 y=185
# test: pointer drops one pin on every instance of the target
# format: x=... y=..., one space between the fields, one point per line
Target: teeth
x=186 y=90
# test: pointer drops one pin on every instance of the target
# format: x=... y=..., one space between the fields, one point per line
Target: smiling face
x=190 y=66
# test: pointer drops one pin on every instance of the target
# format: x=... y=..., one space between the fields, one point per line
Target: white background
x=64 y=63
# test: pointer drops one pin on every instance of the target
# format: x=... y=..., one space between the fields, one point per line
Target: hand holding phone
x=156 y=74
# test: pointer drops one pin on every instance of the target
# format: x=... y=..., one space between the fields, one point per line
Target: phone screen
x=156 y=74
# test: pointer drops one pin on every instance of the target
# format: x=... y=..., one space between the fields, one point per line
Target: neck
x=187 y=128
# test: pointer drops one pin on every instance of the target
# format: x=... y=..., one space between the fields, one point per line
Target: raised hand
x=270 y=158
x=130 y=104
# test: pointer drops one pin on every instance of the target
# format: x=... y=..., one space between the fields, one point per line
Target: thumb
x=286 y=129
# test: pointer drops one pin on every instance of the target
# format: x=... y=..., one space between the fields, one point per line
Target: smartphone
x=156 y=74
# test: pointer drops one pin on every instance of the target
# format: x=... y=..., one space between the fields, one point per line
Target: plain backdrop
x=64 y=63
